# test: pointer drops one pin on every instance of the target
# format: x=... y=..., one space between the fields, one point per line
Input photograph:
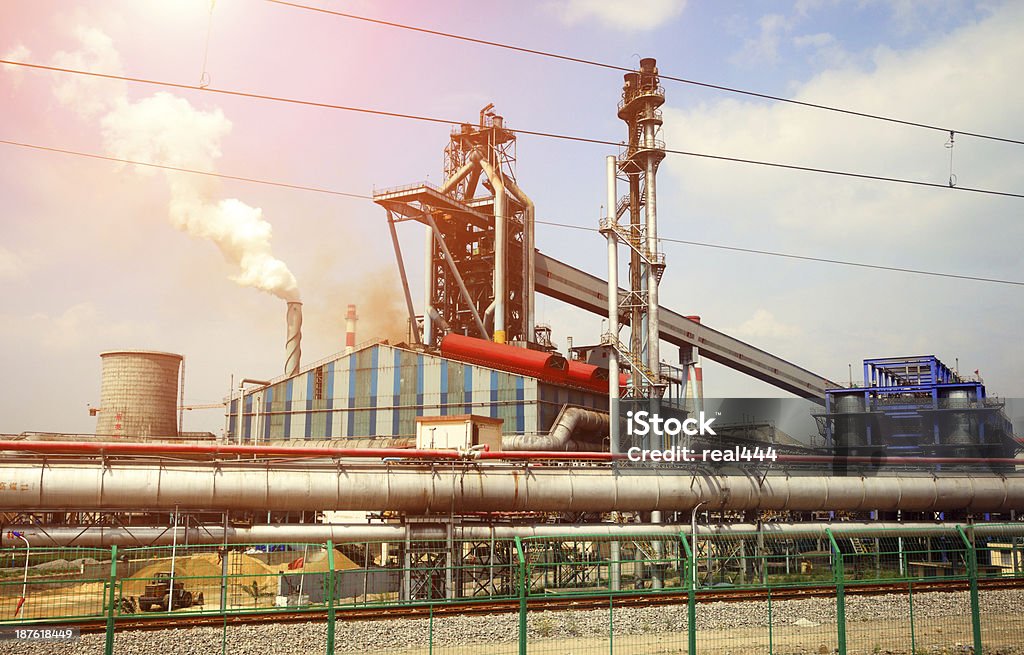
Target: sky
x=96 y=255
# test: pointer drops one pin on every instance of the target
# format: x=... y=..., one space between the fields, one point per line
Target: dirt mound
x=205 y=569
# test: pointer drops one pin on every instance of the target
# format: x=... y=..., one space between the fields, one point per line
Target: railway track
x=552 y=603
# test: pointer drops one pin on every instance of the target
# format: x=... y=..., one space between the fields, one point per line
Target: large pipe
x=293 y=345
x=651 y=214
x=529 y=252
x=613 y=308
x=560 y=438
x=350 y=329
x=103 y=536
x=495 y=177
x=427 y=489
x=339 y=450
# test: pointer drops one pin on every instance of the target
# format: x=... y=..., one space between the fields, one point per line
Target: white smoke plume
x=167 y=129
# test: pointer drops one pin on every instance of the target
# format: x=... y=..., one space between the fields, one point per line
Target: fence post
x=523 y=589
x=330 y=597
x=971 y=555
x=913 y=636
x=111 y=594
x=839 y=576
x=689 y=579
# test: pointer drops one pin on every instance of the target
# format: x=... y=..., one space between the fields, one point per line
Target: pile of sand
x=205 y=571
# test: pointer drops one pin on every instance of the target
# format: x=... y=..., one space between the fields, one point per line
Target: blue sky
x=89 y=259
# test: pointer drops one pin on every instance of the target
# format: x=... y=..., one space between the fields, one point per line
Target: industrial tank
x=138 y=394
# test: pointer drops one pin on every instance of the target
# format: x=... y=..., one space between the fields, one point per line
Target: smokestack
x=350 y=329
x=293 y=346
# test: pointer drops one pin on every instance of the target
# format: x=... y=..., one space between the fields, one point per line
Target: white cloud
x=89 y=96
x=75 y=328
x=12 y=265
x=764 y=50
x=819 y=40
x=763 y=324
x=619 y=14
x=968 y=80
x=18 y=53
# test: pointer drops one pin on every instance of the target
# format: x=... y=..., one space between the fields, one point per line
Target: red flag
x=297 y=564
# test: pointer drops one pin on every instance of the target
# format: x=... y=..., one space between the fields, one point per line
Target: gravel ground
x=489 y=635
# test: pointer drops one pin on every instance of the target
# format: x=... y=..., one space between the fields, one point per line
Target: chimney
x=350 y=329
x=293 y=345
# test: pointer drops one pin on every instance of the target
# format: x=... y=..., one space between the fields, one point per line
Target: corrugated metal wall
x=380 y=390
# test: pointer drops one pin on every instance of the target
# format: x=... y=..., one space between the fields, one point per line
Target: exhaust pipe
x=293 y=344
x=350 y=329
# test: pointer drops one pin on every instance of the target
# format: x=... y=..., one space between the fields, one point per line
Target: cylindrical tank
x=139 y=394
x=850 y=431
x=959 y=423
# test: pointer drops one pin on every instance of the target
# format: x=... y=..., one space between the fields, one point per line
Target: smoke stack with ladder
x=350 y=329
x=293 y=345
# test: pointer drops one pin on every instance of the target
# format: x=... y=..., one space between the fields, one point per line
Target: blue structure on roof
x=916 y=406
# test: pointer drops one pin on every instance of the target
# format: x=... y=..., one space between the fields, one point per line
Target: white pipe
x=693 y=543
x=20 y=534
x=613 y=310
x=428 y=287
x=651 y=213
x=495 y=177
x=174 y=552
x=479 y=487
x=529 y=259
x=100 y=536
x=569 y=420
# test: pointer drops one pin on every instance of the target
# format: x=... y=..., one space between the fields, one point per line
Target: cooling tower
x=139 y=394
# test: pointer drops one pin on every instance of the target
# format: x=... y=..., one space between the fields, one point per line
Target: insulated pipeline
x=483 y=487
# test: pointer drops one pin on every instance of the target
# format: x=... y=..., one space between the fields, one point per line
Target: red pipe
x=116 y=448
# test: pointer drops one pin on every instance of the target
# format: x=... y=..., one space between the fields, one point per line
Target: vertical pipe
x=494 y=175
x=227 y=414
x=651 y=212
x=428 y=287
x=613 y=312
x=293 y=345
x=174 y=553
x=181 y=396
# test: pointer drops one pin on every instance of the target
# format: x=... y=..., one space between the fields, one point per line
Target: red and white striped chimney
x=350 y=329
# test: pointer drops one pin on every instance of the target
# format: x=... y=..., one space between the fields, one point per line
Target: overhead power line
x=808 y=258
x=682 y=80
x=362 y=196
x=179 y=169
x=537 y=133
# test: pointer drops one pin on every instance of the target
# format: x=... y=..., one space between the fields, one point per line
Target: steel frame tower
x=479 y=249
x=642 y=97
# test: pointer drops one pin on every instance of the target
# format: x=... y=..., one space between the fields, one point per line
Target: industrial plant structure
x=352 y=432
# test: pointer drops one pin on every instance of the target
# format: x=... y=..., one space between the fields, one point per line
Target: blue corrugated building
x=379 y=390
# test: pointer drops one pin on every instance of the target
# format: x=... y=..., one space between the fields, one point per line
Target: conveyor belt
x=589 y=292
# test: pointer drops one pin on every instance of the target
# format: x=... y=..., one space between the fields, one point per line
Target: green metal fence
x=915 y=591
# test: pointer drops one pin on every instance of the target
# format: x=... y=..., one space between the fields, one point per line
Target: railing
x=913 y=590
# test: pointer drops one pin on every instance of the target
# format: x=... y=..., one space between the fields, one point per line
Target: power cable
x=549 y=135
x=787 y=255
x=361 y=196
x=682 y=80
